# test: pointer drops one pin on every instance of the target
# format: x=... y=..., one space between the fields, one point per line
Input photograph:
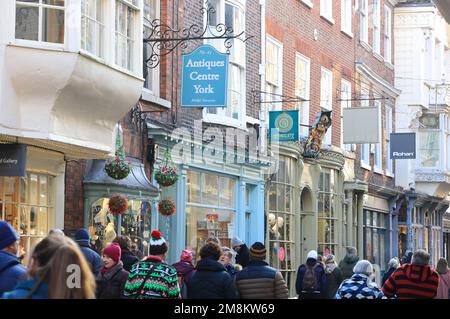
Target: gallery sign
x=283 y=126
x=204 y=79
x=403 y=145
x=13 y=159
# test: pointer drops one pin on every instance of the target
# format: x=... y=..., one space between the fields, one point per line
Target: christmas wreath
x=166 y=207
x=118 y=204
x=166 y=174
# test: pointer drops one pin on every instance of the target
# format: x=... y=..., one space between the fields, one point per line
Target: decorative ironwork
x=162 y=39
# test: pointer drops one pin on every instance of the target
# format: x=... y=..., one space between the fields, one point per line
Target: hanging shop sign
x=359 y=125
x=403 y=145
x=13 y=159
x=204 y=78
x=317 y=132
x=283 y=126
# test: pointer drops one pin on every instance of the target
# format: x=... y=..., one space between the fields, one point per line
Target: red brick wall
x=74 y=203
x=292 y=23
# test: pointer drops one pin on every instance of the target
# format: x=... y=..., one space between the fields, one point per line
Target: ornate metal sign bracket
x=161 y=39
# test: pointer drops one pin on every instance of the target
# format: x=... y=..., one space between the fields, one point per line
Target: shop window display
x=27 y=203
x=327 y=218
x=135 y=223
x=211 y=209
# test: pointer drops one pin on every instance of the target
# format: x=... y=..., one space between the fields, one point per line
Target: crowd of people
x=62 y=268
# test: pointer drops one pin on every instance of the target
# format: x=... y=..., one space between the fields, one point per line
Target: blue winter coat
x=92 y=257
x=23 y=289
x=11 y=271
x=321 y=277
x=359 y=287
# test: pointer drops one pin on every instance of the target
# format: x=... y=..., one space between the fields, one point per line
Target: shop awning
x=136 y=181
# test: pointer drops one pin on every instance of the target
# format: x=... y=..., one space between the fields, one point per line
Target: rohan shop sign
x=13 y=159
x=205 y=78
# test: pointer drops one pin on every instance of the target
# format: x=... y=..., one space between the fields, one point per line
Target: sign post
x=204 y=78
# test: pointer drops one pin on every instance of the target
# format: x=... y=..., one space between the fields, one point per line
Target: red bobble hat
x=113 y=251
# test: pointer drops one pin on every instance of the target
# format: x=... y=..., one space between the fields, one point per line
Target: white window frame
x=346 y=17
x=378 y=150
x=326 y=97
x=389 y=169
x=153 y=88
x=308 y=3
x=387 y=34
x=219 y=115
x=326 y=10
x=100 y=25
x=277 y=85
x=135 y=37
x=303 y=106
x=376 y=45
x=346 y=96
x=364 y=21
x=39 y=42
x=365 y=148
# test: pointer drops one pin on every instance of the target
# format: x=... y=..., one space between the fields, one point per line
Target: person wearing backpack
x=311 y=278
x=11 y=270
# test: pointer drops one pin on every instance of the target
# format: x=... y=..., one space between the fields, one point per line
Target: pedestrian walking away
x=210 y=280
x=413 y=281
x=242 y=251
x=258 y=280
x=360 y=285
x=127 y=257
x=112 y=278
x=444 y=279
x=185 y=269
x=348 y=263
x=153 y=278
x=311 y=279
x=83 y=239
x=393 y=265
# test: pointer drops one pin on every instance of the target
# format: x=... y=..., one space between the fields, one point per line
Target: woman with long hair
x=58 y=270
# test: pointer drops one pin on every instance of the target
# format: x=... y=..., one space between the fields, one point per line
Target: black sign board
x=403 y=146
x=13 y=159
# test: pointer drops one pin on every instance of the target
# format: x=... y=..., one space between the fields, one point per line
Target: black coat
x=243 y=256
x=128 y=259
x=211 y=281
x=334 y=280
x=110 y=284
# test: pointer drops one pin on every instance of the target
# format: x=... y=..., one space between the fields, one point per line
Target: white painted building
x=422 y=59
x=69 y=71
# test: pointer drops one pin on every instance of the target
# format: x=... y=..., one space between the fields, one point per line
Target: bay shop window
x=111 y=30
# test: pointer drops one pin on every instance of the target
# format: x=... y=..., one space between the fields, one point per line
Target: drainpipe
x=262 y=74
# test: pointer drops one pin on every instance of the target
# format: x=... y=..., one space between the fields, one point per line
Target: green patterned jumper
x=160 y=280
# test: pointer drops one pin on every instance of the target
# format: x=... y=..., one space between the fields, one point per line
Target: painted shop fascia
x=223 y=200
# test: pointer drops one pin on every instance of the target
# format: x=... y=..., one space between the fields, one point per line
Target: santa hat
x=158 y=245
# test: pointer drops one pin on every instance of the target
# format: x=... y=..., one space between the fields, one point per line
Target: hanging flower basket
x=117 y=168
x=118 y=204
x=166 y=174
x=166 y=207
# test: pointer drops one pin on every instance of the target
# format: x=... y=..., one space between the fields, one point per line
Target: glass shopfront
x=374 y=237
x=28 y=204
x=280 y=220
x=134 y=223
x=327 y=218
x=210 y=210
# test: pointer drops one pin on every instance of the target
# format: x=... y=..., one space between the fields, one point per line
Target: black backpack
x=309 y=283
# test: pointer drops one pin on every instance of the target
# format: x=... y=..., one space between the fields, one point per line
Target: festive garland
x=166 y=207
x=118 y=204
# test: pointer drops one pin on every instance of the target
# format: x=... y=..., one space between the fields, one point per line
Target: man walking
x=348 y=263
x=83 y=240
x=258 y=280
x=311 y=278
x=413 y=281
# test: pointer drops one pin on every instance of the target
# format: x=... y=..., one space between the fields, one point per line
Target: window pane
x=27 y=23
x=227 y=192
x=53 y=25
x=429 y=149
x=210 y=191
x=33 y=189
x=53 y=2
x=193 y=185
